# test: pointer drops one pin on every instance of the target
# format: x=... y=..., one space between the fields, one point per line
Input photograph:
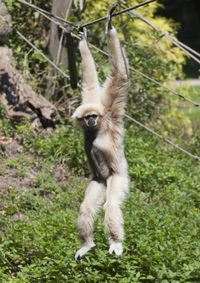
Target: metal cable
x=163 y=138
x=87 y=24
x=42 y=54
x=177 y=43
x=118 y=13
x=47 y=13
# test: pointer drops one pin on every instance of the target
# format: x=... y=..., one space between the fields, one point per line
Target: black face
x=91 y=120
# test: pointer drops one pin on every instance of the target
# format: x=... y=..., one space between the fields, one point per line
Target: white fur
x=116 y=247
x=83 y=251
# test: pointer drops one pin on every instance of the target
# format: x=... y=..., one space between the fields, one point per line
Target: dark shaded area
x=187 y=13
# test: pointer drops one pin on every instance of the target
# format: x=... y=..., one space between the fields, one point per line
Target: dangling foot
x=83 y=251
x=116 y=247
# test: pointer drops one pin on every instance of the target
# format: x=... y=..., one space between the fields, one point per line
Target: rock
x=19 y=99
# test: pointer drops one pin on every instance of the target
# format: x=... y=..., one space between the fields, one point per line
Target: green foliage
x=5 y=123
x=65 y=144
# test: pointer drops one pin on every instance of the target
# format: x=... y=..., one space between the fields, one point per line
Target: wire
x=118 y=13
x=87 y=24
x=47 y=13
x=42 y=54
x=177 y=43
x=163 y=138
x=188 y=50
x=103 y=52
x=165 y=87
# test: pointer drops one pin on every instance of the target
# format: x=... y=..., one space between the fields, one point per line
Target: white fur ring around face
x=116 y=247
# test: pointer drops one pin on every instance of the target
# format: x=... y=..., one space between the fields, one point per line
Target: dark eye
x=87 y=117
x=93 y=116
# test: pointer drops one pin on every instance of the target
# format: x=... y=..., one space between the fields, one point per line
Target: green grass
x=38 y=237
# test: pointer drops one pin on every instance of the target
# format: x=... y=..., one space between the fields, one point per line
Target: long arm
x=117 y=82
x=90 y=83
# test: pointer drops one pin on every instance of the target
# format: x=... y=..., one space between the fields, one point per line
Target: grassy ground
x=40 y=199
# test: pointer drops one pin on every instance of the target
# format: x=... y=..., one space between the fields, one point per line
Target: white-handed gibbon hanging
x=101 y=118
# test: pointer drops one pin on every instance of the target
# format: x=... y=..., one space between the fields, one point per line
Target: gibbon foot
x=116 y=247
x=83 y=251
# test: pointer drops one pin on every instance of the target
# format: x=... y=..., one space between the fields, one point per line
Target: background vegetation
x=38 y=237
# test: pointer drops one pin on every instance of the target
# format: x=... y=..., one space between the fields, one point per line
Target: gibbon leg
x=117 y=188
x=94 y=196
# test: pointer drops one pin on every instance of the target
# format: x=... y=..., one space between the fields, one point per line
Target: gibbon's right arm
x=117 y=82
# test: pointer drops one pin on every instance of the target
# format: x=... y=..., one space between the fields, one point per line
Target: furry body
x=103 y=142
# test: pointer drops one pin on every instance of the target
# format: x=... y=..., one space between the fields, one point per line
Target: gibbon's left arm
x=117 y=82
x=90 y=83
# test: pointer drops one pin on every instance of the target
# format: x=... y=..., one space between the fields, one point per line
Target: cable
x=131 y=68
x=87 y=24
x=47 y=13
x=118 y=13
x=42 y=54
x=163 y=138
x=106 y=54
x=189 y=48
x=177 y=43
x=165 y=87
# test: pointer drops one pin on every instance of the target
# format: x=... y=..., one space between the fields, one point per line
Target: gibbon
x=101 y=118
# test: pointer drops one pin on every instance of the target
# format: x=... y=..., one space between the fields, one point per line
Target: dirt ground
x=19 y=168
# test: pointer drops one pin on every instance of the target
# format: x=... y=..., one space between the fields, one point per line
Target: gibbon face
x=90 y=121
x=89 y=116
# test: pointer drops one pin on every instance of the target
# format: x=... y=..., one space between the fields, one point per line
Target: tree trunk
x=57 y=47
